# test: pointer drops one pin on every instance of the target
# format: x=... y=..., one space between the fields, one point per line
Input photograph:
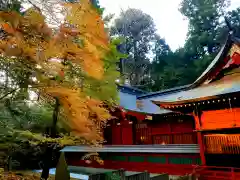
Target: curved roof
x=215 y=63
x=198 y=90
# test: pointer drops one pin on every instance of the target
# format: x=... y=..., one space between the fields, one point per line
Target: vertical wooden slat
x=223 y=144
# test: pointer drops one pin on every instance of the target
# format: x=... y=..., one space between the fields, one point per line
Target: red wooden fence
x=122 y=134
x=222 y=143
x=175 y=138
x=149 y=135
x=216 y=173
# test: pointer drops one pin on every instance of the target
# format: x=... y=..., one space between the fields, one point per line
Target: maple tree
x=64 y=62
x=72 y=67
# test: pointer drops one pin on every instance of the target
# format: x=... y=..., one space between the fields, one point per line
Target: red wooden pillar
x=200 y=139
x=126 y=129
x=127 y=134
x=116 y=135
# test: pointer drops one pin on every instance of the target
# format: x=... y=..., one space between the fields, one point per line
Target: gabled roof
x=128 y=101
x=131 y=90
x=129 y=97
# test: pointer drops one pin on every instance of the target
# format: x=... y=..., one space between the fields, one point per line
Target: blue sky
x=169 y=21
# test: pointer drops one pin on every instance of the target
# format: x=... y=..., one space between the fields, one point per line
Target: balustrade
x=222 y=144
x=175 y=138
x=216 y=173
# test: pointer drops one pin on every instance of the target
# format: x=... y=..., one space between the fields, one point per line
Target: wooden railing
x=222 y=143
x=175 y=138
x=216 y=173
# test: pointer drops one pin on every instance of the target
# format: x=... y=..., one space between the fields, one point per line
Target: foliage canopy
x=74 y=63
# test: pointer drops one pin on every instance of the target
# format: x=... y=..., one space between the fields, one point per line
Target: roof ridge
x=131 y=88
x=162 y=92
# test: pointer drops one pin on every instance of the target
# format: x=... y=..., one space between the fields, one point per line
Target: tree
x=38 y=46
x=161 y=52
x=234 y=18
x=138 y=30
x=204 y=25
x=70 y=67
x=172 y=69
x=6 y=5
x=204 y=17
x=161 y=48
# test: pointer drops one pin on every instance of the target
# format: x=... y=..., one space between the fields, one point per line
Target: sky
x=170 y=23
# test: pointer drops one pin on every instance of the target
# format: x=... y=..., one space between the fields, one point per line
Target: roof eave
x=191 y=101
x=217 y=60
x=188 y=101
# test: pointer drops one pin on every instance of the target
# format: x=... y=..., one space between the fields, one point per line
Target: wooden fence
x=222 y=143
x=175 y=138
x=216 y=173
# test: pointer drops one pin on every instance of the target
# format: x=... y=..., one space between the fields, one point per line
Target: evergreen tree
x=204 y=25
x=138 y=30
x=9 y=5
x=234 y=19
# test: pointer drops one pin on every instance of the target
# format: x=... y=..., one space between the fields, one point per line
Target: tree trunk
x=49 y=150
x=136 y=70
x=53 y=133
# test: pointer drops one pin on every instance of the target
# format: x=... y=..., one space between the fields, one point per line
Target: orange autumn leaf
x=82 y=41
x=86 y=115
x=7 y=28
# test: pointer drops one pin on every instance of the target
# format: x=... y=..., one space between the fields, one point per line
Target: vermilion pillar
x=200 y=139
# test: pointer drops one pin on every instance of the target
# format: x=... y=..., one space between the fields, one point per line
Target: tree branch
x=34 y=5
x=5 y=95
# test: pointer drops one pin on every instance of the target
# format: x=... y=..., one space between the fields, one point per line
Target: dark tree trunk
x=53 y=132
x=47 y=161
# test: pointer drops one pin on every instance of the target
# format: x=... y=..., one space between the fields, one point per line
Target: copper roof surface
x=226 y=85
x=129 y=102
